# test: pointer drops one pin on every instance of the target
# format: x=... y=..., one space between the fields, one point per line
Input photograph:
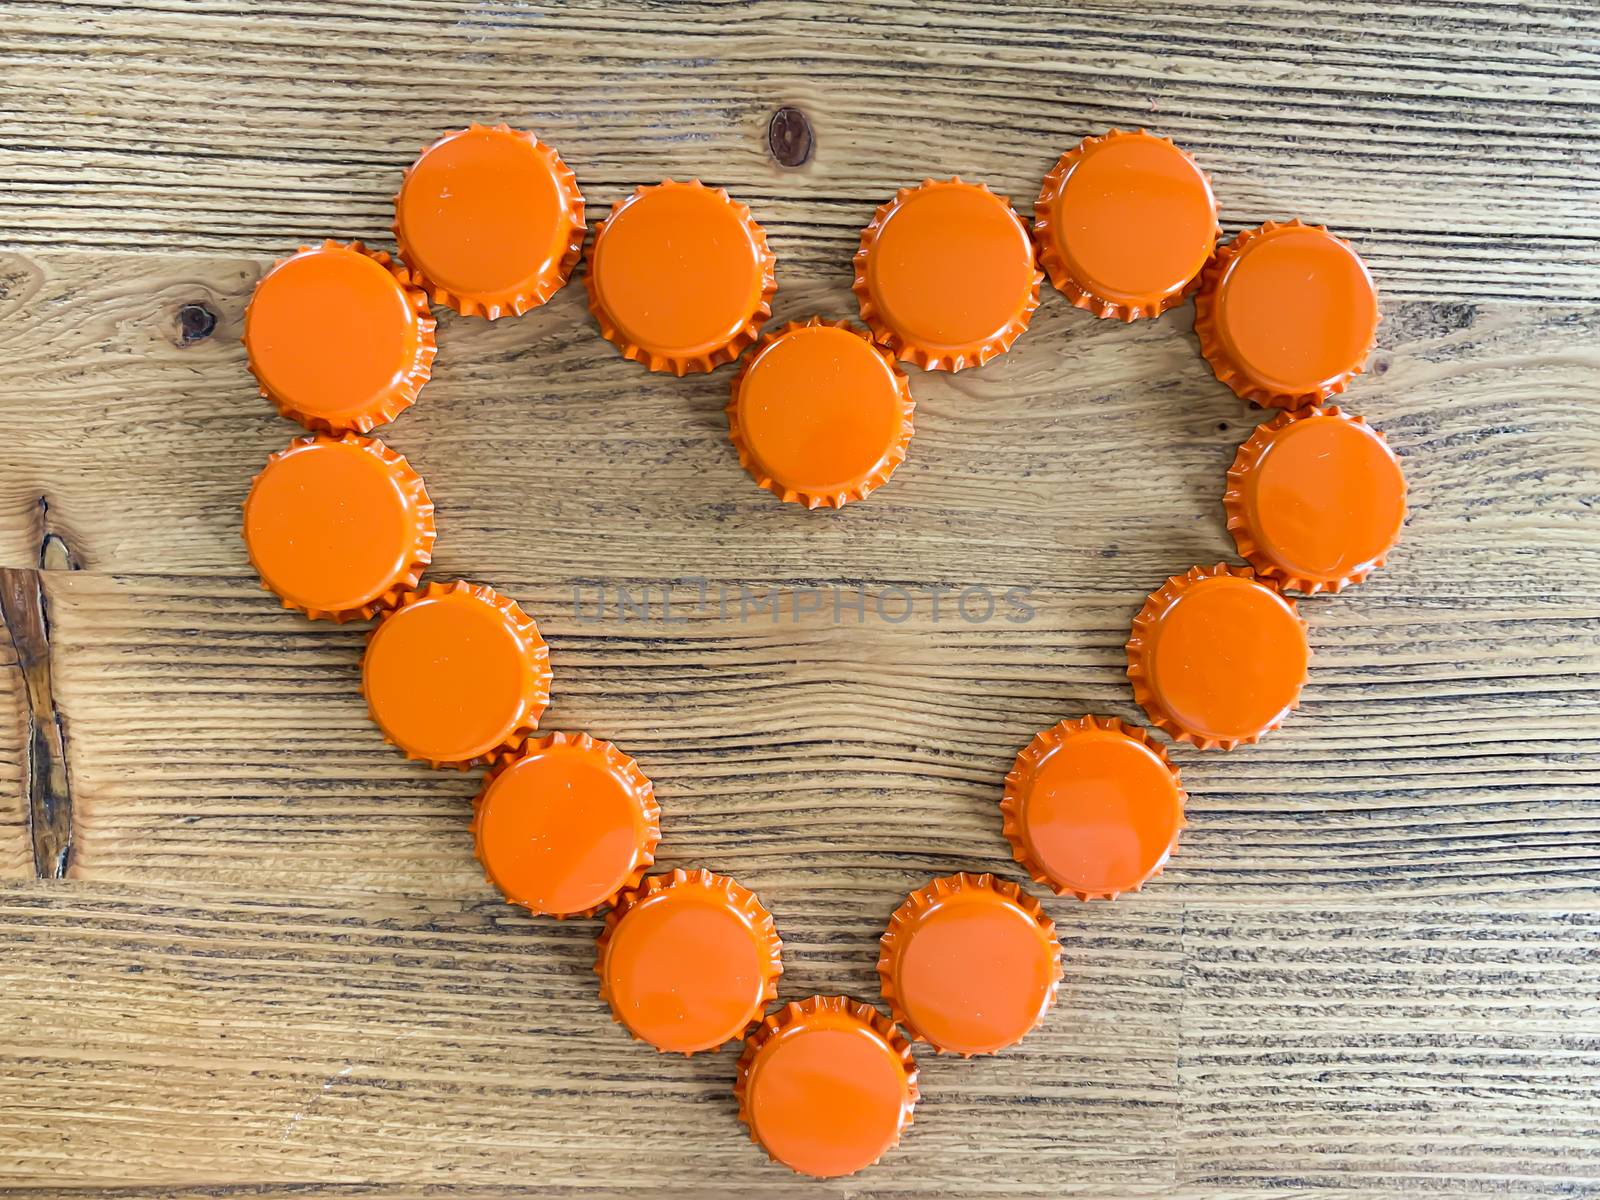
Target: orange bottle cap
x=564 y=824
x=826 y=1086
x=688 y=960
x=338 y=339
x=455 y=673
x=491 y=221
x=338 y=527
x=945 y=275
x=680 y=277
x=969 y=964
x=1218 y=657
x=820 y=416
x=1315 y=499
x=1093 y=807
x=1124 y=223
x=1286 y=314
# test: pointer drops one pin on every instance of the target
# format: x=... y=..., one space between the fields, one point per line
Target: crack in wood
x=47 y=783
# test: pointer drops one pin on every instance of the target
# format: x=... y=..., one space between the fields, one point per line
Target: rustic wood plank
x=270 y=1039
x=1092 y=451
x=304 y=1038
x=1398 y=1050
x=1454 y=140
x=1447 y=747
x=274 y=970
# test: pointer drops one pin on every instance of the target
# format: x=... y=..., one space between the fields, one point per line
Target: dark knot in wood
x=196 y=322
x=789 y=136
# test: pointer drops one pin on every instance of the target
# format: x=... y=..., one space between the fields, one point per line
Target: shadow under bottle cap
x=826 y=1085
x=338 y=338
x=688 y=961
x=1218 y=656
x=338 y=527
x=1093 y=808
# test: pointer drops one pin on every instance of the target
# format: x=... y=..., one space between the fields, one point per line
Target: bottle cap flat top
x=969 y=964
x=1315 y=499
x=688 y=960
x=680 y=277
x=1124 y=224
x=338 y=527
x=491 y=219
x=1286 y=314
x=564 y=824
x=820 y=415
x=337 y=340
x=945 y=275
x=1218 y=657
x=826 y=1086
x=456 y=673
x=1093 y=807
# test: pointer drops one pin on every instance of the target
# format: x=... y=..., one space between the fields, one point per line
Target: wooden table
x=266 y=964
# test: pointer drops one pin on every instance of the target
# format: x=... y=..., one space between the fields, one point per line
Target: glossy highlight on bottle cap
x=338 y=527
x=680 y=277
x=826 y=1086
x=338 y=338
x=455 y=674
x=1093 y=807
x=1315 y=499
x=820 y=415
x=491 y=221
x=1124 y=223
x=1286 y=314
x=564 y=824
x=688 y=961
x=969 y=964
x=945 y=275
x=1218 y=656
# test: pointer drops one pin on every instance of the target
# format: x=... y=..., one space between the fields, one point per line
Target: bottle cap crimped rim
x=1235 y=503
x=619 y=764
x=905 y=920
x=407 y=384
x=801 y=1012
x=821 y=498
x=494 y=305
x=972 y=355
x=736 y=896
x=1028 y=760
x=742 y=338
x=1139 y=641
x=1045 y=216
x=535 y=700
x=1214 y=348
x=417 y=503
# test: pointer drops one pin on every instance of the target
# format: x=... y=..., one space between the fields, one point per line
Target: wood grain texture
x=1094 y=450
x=1456 y=141
x=274 y=970
x=231 y=743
